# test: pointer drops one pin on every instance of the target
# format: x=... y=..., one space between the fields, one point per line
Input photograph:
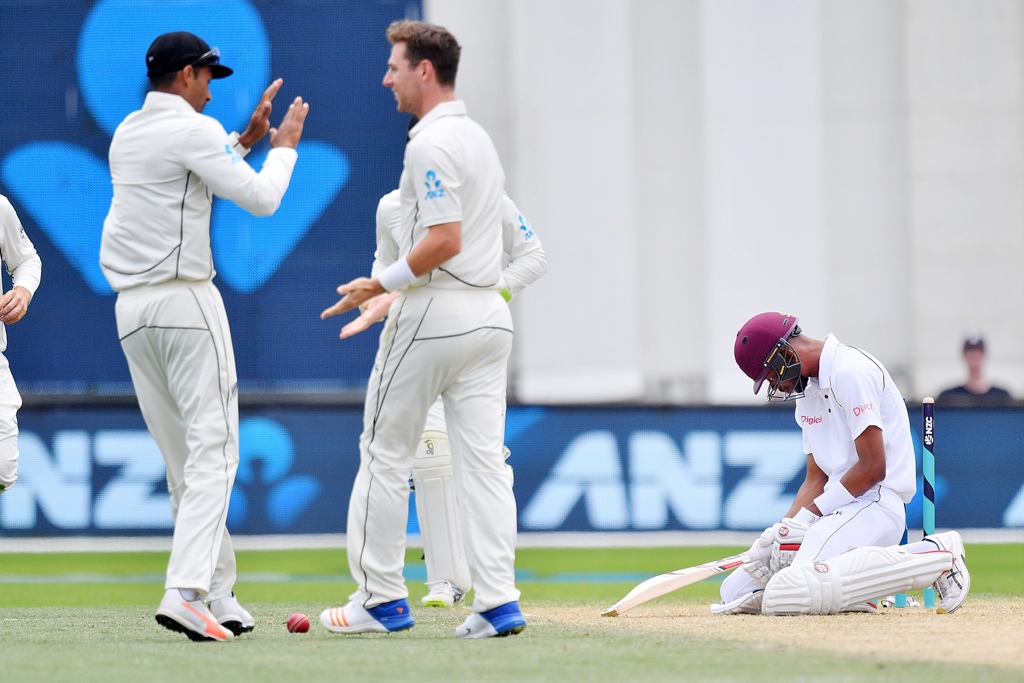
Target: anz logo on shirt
x=247 y=250
x=230 y=151
x=434 y=187
x=524 y=225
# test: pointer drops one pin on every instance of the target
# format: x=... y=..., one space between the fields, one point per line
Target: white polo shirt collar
x=452 y=108
x=828 y=354
x=165 y=100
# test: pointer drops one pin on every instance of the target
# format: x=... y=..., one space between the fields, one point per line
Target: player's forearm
x=228 y=177
x=261 y=193
x=805 y=497
x=27 y=273
x=869 y=470
x=441 y=243
x=812 y=487
x=861 y=478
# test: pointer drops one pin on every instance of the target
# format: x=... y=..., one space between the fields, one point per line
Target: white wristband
x=834 y=497
x=396 y=276
x=805 y=517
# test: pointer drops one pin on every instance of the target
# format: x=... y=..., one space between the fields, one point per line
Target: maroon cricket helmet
x=758 y=340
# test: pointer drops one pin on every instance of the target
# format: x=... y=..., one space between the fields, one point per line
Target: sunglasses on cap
x=208 y=58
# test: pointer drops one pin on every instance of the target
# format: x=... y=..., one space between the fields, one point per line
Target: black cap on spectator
x=974 y=343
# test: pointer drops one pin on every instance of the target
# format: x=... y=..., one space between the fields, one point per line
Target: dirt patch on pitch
x=995 y=630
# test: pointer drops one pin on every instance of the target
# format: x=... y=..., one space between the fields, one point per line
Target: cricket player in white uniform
x=25 y=268
x=836 y=550
x=167 y=161
x=449 y=334
x=448 y=576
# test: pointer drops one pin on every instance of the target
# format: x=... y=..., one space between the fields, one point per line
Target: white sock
x=189 y=594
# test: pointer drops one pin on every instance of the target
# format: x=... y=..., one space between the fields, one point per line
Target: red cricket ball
x=298 y=623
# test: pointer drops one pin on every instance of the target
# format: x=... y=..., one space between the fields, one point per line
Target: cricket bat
x=666 y=583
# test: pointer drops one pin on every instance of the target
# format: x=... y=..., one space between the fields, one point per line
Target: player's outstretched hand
x=373 y=311
x=14 y=304
x=259 y=122
x=290 y=130
x=353 y=294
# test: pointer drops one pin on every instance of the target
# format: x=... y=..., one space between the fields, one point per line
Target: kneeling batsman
x=836 y=551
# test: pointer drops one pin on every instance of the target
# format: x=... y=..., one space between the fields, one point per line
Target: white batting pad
x=862 y=574
x=438 y=513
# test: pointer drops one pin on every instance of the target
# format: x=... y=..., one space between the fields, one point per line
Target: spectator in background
x=977 y=390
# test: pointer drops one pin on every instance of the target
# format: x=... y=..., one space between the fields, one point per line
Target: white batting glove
x=762 y=547
x=789 y=537
x=759 y=570
x=760 y=554
x=777 y=545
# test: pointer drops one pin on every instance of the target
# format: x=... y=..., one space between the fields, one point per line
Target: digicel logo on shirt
x=862 y=408
x=809 y=420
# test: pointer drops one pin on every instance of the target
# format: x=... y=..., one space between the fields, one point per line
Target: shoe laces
x=946 y=580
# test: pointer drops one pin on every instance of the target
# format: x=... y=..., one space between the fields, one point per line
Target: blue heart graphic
x=111 y=57
x=66 y=189
x=247 y=249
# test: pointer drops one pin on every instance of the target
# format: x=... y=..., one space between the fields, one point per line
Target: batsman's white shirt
x=449 y=335
x=853 y=391
x=166 y=163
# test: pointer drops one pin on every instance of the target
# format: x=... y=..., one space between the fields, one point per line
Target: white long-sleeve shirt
x=18 y=254
x=166 y=163
x=524 y=258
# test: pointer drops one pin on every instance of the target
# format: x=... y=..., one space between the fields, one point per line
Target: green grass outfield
x=89 y=617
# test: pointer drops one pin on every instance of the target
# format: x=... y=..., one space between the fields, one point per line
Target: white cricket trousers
x=176 y=339
x=877 y=518
x=10 y=401
x=455 y=344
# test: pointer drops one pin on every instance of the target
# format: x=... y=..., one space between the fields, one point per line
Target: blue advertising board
x=96 y=471
x=81 y=70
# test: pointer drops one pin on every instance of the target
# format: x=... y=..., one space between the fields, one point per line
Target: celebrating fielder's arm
x=448 y=576
x=167 y=161
x=449 y=335
x=835 y=551
x=25 y=268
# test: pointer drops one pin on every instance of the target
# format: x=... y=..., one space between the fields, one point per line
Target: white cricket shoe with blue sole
x=354 y=618
x=504 y=620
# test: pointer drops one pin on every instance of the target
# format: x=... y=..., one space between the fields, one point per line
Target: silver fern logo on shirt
x=524 y=225
x=435 y=190
x=232 y=154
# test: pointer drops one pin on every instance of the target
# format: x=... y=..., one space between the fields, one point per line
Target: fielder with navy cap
x=167 y=162
x=835 y=550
